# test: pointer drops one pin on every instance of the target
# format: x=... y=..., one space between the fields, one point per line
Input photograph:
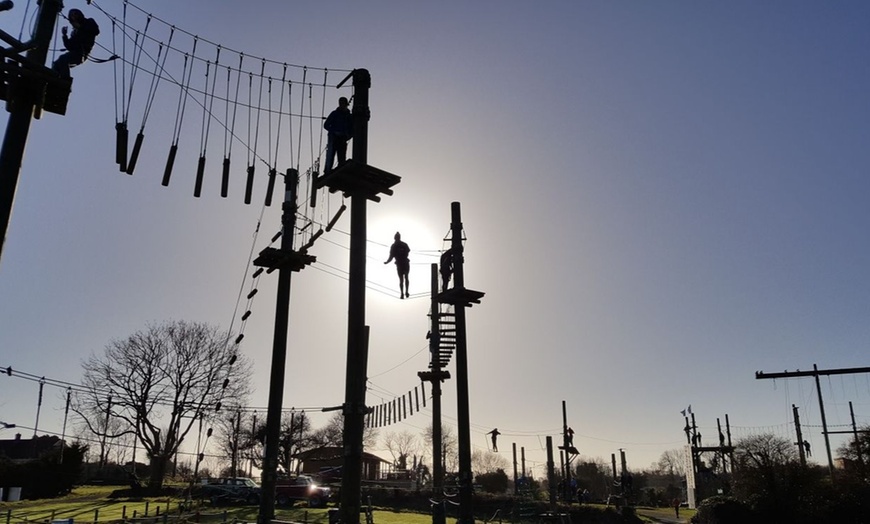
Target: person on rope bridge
x=400 y=251
x=78 y=44
x=339 y=127
x=495 y=433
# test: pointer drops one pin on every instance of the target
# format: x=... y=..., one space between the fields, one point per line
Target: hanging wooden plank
x=200 y=172
x=134 y=156
x=170 y=161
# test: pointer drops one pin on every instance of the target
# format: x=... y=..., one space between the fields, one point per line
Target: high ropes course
x=243 y=120
x=236 y=116
x=235 y=119
x=226 y=121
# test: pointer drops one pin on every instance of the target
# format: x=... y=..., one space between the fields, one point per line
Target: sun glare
x=425 y=250
x=419 y=236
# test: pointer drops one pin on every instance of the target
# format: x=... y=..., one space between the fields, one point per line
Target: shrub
x=723 y=510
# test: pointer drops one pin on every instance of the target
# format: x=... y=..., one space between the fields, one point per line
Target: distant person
x=339 y=128
x=676 y=504
x=569 y=436
x=495 y=433
x=446 y=268
x=78 y=44
x=400 y=251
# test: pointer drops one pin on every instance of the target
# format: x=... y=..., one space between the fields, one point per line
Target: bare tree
x=449 y=446
x=232 y=437
x=764 y=452
x=488 y=462
x=672 y=462
x=160 y=380
x=295 y=436
x=331 y=433
x=96 y=429
x=401 y=446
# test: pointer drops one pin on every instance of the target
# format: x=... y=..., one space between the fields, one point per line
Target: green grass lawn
x=89 y=504
x=644 y=512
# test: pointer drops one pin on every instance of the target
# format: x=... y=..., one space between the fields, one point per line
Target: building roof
x=333 y=452
x=19 y=450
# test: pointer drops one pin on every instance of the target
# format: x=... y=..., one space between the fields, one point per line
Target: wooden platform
x=354 y=178
x=459 y=296
x=274 y=258
x=431 y=376
x=19 y=76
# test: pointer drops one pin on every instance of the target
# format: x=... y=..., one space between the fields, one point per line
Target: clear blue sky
x=659 y=199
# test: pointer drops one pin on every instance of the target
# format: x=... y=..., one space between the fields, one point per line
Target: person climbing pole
x=495 y=433
x=78 y=44
x=400 y=251
x=446 y=268
x=339 y=127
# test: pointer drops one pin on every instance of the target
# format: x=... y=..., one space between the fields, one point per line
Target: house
x=20 y=451
x=329 y=459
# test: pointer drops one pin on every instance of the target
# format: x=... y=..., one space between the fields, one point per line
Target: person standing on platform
x=400 y=251
x=78 y=44
x=339 y=128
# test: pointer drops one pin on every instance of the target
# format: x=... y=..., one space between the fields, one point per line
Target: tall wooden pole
x=279 y=355
x=466 y=488
x=516 y=487
x=357 y=351
x=523 y=460
x=551 y=473
x=438 y=516
x=824 y=422
x=566 y=445
x=800 y=438
x=22 y=100
x=857 y=442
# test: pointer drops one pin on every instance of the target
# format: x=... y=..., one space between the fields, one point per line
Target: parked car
x=231 y=490
x=303 y=487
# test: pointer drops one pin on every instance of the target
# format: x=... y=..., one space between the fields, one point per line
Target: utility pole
x=39 y=408
x=66 y=414
x=24 y=93
x=799 y=435
x=104 y=455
